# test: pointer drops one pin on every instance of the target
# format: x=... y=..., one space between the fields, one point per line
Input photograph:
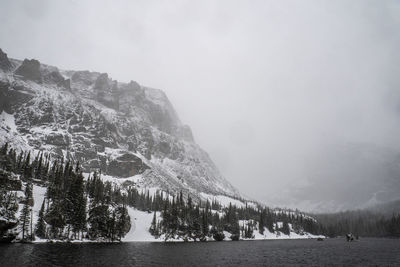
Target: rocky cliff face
x=122 y=129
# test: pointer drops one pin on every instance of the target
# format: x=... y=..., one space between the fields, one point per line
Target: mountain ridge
x=120 y=129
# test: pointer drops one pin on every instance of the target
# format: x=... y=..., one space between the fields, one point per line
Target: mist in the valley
x=297 y=102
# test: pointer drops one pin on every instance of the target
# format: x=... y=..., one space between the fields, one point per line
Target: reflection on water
x=244 y=253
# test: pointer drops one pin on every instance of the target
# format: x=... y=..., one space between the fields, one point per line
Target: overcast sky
x=294 y=100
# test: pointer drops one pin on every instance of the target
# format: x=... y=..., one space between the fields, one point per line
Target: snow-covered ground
x=269 y=236
x=9 y=133
x=225 y=201
x=140 y=224
x=112 y=179
x=141 y=221
x=39 y=193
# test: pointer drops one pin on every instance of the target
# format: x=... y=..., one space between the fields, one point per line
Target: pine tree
x=40 y=230
x=27 y=167
x=55 y=218
x=204 y=223
x=285 y=228
x=4 y=149
x=8 y=205
x=123 y=221
x=166 y=218
x=235 y=231
x=248 y=232
x=112 y=226
x=79 y=223
x=19 y=163
x=153 y=226
x=77 y=201
x=25 y=216
x=38 y=170
x=269 y=221
x=98 y=220
x=196 y=225
x=261 y=222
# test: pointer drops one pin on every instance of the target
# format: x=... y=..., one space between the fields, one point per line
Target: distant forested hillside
x=360 y=223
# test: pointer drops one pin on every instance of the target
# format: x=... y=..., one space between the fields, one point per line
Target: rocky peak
x=106 y=91
x=102 y=83
x=134 y=86
x=30 y=70
x=131 y=92
x=115 y=92
x=84 y=77
x=5 y=64
x=56 y=78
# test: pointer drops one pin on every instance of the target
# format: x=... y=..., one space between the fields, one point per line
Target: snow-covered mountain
x=123 y=129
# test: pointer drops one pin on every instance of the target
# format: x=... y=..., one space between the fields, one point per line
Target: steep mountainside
x=122 y=129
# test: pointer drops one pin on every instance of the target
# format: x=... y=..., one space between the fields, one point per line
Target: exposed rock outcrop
x=56 y=78
x=126 y=165
x=84 y=77
x=5 y=64
x=30 y=70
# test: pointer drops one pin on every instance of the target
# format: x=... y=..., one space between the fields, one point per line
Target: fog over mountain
x=298 y=103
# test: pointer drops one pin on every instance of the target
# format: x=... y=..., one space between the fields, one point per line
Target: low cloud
x=292 y=99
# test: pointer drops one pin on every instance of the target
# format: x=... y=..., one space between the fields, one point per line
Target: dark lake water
x=365 y=252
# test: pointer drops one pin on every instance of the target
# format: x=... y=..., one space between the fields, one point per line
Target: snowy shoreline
x=141 y=222
x=155 y=241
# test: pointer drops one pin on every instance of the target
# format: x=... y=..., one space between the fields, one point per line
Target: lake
x=365 y=252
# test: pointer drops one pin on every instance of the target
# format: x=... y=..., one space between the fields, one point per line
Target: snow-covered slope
x=141 y=221
x=123 y=129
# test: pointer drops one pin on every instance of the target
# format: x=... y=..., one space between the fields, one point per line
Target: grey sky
x=292 y=99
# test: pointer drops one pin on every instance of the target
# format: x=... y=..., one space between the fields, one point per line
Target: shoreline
x=155 y=241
